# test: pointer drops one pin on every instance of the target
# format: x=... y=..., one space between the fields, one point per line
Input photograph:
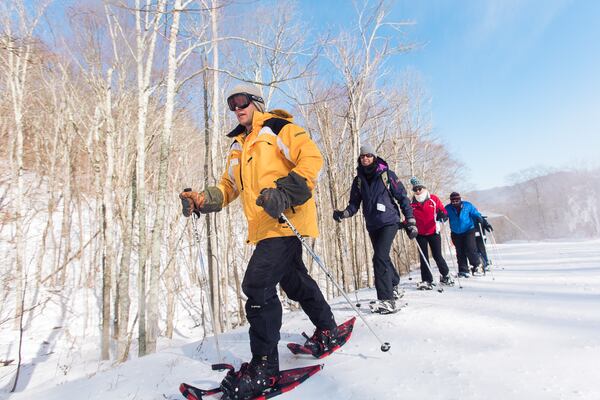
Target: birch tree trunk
x=16 y=64
x=124 y=300
x=213 y=262
x=108 y=218
x=65 y=230
x=146 y=35
x=165 y=150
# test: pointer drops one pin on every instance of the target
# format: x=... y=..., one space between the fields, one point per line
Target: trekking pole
x=488 y=257
x=451 y=255
x=495 y=247
x=407 y=253
x=356 y=281
x=385 y=346
x=209 y=290
x=440 y=288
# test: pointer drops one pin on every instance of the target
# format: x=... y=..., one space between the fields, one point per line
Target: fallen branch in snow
x=6 y=363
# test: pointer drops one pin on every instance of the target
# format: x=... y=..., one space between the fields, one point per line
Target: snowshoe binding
x=384 y=307
x=397 y=292
x=235 y=386
x=424 y=286
x=324 y=341
x=478 y=270
x=447 y=280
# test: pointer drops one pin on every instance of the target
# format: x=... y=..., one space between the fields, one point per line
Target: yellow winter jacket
x=273 y=149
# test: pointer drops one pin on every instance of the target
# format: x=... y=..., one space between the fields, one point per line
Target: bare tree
x=147 y=26
x=16 y=45
x=165 y=153
x=359 y=59
x=127 y=71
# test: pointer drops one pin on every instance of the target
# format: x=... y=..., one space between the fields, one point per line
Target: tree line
x=111 y=111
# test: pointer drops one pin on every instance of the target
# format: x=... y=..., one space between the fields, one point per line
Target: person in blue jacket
x=378 y=188
x=463 y=216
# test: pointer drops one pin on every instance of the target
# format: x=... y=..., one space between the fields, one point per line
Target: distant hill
x=555 y=205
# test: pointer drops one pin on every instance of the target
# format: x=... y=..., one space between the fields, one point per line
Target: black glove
x=486 y=226
x=410 y=226
x=339 y=215
x=441 y=216
x=274 y=201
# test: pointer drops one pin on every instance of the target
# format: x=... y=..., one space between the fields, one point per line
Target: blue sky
x=514 y=84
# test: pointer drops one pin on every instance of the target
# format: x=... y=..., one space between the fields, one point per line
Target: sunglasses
x=367 y=155
x=242 y=100
x=417 y=189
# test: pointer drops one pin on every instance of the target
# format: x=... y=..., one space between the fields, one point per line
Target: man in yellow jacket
x=272 y=166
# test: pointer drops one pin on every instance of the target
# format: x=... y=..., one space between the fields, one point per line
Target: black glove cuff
x=213 y=200
x=295 y=188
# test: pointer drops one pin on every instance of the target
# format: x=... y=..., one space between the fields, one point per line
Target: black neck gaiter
x=370 y=170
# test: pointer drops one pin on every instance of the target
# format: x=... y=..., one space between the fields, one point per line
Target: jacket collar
x=414 y=199
x=258 y=120
x=237 y=131
x=382 y=165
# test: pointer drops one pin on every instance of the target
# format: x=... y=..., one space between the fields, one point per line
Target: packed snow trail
x=532 y=333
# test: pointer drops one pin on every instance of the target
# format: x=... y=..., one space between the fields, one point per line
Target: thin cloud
x=524 y=22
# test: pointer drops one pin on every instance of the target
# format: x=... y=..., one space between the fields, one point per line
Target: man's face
x=244 y=115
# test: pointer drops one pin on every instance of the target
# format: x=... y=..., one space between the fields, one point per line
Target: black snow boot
x=383 y=307
x=252 y=379
x=478 y=270
x=397 y=292
x=424 y=286
x=447 y=280
x=322 y=341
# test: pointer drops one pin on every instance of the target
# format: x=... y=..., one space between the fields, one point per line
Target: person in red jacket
x=429 y=211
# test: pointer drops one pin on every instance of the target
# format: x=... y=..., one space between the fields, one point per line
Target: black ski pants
x=386 y=275
x=465 y=246
x=279 y=260
x=435 y=243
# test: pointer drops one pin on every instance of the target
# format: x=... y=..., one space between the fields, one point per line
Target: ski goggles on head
x=242 y=100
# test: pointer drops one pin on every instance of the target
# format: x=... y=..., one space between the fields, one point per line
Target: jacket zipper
x=241 y=167
x=241 y=180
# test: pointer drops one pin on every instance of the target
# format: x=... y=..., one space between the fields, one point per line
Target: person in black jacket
x=378 y=188
x=481 y=228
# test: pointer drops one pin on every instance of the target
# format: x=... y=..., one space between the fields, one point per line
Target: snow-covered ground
x=530 y=331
